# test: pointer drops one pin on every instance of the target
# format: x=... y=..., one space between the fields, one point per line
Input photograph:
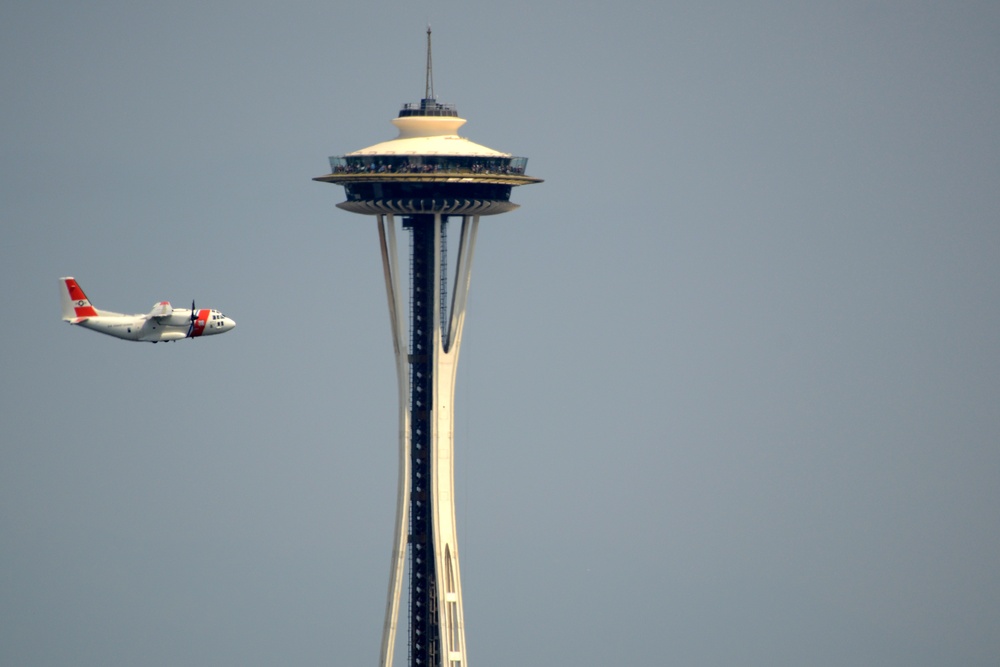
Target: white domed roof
x=429 y=135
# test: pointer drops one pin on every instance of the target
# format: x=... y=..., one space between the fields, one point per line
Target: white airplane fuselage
x=162 y=323
x=144 y=328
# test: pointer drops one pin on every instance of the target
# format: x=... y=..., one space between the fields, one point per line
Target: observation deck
x=428 y=107
x=428 y=168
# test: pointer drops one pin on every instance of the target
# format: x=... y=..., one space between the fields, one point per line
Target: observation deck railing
x=428 y=107
x=427 y=164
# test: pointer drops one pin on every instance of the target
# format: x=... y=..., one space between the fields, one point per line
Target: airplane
x=162 y=323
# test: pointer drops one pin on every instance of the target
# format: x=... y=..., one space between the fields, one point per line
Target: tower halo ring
x=428 y=206
x=437 y=177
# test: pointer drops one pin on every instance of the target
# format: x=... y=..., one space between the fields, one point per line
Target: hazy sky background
x=730 y=378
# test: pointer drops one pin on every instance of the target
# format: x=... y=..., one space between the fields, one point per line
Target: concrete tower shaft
x=431 y=179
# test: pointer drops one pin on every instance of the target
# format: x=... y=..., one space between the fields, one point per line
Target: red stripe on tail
x=81 y=304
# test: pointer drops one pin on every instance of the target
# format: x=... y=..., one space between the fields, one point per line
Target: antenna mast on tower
x=429 y=84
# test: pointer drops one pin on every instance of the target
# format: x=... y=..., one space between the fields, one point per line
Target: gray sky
x=729 y=386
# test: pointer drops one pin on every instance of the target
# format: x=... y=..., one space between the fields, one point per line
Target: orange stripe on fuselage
x=201 y=322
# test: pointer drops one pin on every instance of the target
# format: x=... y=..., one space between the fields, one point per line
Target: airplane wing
x=161 y=309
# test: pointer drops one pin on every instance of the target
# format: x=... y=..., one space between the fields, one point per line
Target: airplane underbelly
x=112 y=326
x=157 y=333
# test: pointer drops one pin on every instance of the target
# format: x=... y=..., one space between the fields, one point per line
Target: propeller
x=194 y=317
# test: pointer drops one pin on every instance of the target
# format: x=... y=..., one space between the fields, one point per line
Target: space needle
x=431 y=179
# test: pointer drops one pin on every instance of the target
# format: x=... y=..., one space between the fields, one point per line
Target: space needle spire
x=429 y=83
x=431 y=181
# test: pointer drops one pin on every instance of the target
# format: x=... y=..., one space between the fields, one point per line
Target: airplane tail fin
x=75 y=304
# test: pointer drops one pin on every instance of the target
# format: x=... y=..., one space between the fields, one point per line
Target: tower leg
x=426 y=374
x=390 y=267
x=448 y=344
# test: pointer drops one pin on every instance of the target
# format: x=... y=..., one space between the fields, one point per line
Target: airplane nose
x=230 y=324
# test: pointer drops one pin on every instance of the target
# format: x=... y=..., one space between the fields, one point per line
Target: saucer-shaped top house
x=428 y=168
